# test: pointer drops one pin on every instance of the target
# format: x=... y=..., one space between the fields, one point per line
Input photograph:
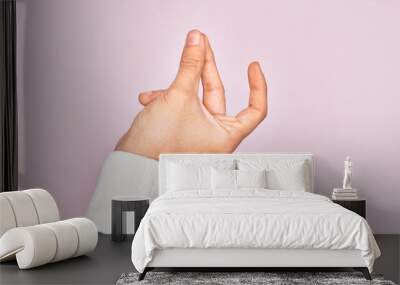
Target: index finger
x=213 y=89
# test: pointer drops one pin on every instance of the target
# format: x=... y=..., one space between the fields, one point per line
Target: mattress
x=250 y=219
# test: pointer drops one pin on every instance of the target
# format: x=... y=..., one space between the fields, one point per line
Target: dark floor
x=110 y=260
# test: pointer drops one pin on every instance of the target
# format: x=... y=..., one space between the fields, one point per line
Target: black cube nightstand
x=119 y=207
x=358 y=206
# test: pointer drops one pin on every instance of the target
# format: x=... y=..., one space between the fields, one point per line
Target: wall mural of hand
x=175 y=120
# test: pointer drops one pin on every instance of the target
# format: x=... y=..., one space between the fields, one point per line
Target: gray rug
x=269 y=278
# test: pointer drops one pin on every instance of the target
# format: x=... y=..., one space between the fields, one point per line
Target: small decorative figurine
x=347 y=173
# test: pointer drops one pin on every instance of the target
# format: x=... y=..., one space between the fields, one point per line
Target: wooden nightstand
x=358 y=206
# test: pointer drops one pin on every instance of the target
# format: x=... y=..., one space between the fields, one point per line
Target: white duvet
x=251 y=218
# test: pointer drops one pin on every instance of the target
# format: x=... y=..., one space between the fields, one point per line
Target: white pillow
x=251 y=178
x=187 y=174
x=223 y=179
x=236 y=179
x=282 y=174
x=182 y=177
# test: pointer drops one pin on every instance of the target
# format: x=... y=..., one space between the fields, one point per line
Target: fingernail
x=193 y=38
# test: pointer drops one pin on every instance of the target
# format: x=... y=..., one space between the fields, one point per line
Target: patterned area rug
x=269 y=278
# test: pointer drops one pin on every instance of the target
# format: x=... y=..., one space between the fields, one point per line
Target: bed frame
x=245 y=259
x=234 y=259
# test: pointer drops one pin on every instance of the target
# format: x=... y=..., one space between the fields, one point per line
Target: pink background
x=332 y=68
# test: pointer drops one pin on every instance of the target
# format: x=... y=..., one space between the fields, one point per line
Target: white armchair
x=31 y=232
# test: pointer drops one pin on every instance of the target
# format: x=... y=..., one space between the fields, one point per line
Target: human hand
x=175 y=120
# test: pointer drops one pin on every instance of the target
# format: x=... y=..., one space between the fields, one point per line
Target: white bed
x=248 y=227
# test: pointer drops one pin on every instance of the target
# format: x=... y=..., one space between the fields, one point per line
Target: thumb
x=192 y=62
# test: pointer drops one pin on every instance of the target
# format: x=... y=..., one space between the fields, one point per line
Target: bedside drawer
x=357 y=206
